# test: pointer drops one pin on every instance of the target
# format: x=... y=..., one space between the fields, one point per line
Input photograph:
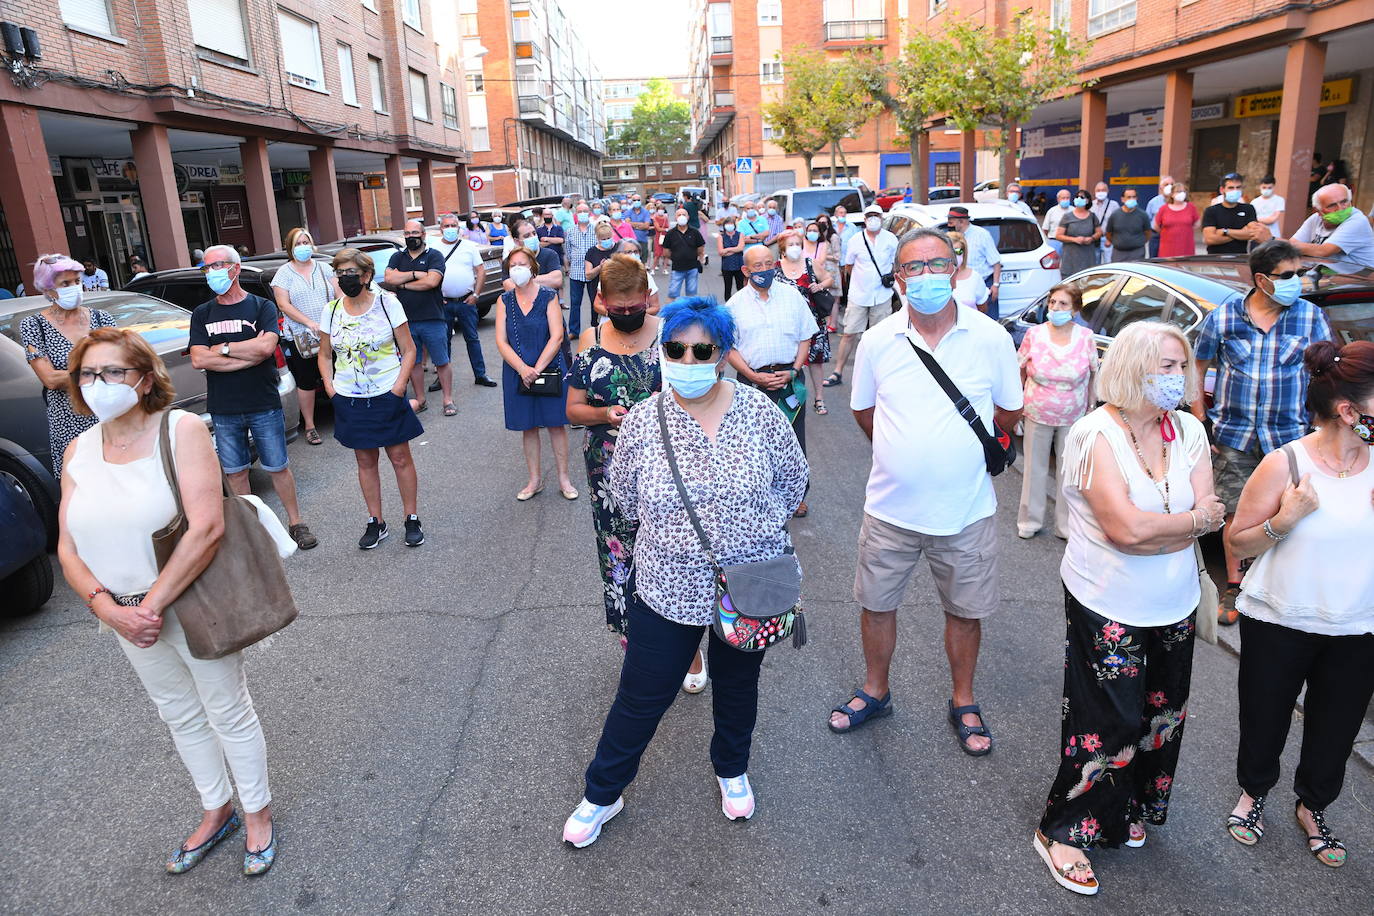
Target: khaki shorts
x=964 y=566
x=858 y=318
x=1231 y=468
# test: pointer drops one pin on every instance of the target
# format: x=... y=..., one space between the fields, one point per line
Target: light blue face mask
x=1286 y=292
x=450 y=234
x=1066 y=204
x=605 y=243
x=219 y=281
x=1233 y=196
x=1060 y=318
x=302 y=253
x=1129 y=203
x=813 y=236
x=691 y=380
x=532 y=243
x=1080 y=201
x=929 y=293
x=1165 y=391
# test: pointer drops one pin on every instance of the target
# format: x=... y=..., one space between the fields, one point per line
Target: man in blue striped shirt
x=1257 y=345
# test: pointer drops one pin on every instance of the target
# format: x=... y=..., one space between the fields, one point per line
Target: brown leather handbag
x=242 y=596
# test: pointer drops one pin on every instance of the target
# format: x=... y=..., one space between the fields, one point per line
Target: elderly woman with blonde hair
x=1137 y=478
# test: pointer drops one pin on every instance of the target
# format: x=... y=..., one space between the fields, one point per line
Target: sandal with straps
x=956 y=714
x=874 y=709
x=1066 y=876
x=1247 y=830
x=820 y=407
x=1328 y=841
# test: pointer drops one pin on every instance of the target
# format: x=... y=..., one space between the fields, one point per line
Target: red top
x=1176 y=230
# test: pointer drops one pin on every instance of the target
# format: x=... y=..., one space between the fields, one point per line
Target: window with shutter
x=91 y=15
x=217 y=25
x=300 y=49
x=347 y=83
x=419 y=95
x=449 y=98
x=375 y=77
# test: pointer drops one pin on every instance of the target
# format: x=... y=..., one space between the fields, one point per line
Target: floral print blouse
x=745 y=486
x=1057 y=377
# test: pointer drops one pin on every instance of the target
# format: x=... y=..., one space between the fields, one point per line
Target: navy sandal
x=875 y=709
x=956 y=714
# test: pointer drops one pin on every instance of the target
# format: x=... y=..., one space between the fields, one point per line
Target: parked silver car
x=24 y=450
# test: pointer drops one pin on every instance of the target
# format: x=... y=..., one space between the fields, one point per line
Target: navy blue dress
x=528 y=335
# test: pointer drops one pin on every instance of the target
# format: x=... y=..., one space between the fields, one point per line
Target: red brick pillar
x=1178 y=125
x=460 y=175
x=27 y=192
x=428 y=200
x=968 y=154
x=157 y=185
x=324 y=192
x=396 y=192
x=1302 y=92
x=262 y=202
x=1092 y=148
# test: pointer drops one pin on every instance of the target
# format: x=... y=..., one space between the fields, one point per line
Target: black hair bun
x=1320 y=357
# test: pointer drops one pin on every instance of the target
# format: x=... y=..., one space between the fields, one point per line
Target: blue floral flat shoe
x=183 y=860
x=260 y=862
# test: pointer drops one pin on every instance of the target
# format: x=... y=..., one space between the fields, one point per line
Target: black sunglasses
x=676 y=349
x=1290 y=274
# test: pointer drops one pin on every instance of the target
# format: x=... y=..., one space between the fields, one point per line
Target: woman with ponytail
x=1307 y=604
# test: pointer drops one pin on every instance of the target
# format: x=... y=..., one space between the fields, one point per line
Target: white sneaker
x=696 y=683
x=583 y=826
x=736 y=797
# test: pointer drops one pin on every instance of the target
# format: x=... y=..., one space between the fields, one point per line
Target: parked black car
x=25 y=571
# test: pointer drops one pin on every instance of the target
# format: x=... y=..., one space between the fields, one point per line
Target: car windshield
x=158 y=321
x=1013 y=236
x=812 y=203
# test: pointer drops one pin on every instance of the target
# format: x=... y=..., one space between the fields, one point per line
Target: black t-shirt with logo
x=420 y=304
x=251 y=389
x=682 y=244
x=1220 y=216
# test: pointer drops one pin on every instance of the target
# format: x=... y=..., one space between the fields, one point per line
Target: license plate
x=492 y=266
x=1010 y=277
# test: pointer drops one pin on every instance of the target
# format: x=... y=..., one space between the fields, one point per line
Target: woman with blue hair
x=746 y=475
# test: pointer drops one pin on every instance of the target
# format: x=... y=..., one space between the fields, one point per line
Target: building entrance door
x=197 y=226
x=121 y=218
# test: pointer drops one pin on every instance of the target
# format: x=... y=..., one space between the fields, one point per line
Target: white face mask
x=107 y=401
x=1100 y=195
x=1180 y=196
x=873 y=223
x=68 y=297
x=1266 y=192
x=682 y=220
x=793 y=252
x=520 y=274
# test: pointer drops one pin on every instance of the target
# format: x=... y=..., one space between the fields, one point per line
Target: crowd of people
x=694 y=473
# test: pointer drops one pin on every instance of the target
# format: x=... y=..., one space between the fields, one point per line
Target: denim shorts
x=431 y=336
x=269 y=437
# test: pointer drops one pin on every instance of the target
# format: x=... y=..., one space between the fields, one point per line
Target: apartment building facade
x=1198 y=88
x=738 y=50
x=624 y=171
x=534 y=95
x=155 y=127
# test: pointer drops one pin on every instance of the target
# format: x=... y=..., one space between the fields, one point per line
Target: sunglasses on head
x=676 y=349
x=1289 y=274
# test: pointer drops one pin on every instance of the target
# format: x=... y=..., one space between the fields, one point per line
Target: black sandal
x=832 y=380
x=967 y=731
x=875 y=709
x=1328 y=843
x=312 y=436
x=1251 y=823
x=820 y=407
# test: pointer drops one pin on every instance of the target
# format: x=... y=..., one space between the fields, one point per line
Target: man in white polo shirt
x=929 y=491
x=867 y=266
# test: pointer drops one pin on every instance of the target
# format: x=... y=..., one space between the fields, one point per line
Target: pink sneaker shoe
x=736 y=797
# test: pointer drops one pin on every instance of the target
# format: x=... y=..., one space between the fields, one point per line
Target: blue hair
x=704 y=311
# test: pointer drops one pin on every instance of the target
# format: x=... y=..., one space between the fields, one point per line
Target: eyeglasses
x=676 y=349
x=933 y=265
x=218 y=265
x=1289 y=274
x=348 y=272
x=958 y=251
x=110 y=375
x=632 y=309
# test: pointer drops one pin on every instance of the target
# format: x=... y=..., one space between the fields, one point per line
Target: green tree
x=824 y=101
x=1002 y=79
x=659 y=125
x=792 y=128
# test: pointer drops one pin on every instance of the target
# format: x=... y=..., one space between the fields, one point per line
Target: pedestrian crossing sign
x=713 y=170
x=744 y=165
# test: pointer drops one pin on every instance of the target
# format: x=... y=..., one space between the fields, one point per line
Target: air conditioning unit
x=81 y=180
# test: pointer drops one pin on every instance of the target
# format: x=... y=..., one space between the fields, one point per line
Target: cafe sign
x=1259 y=104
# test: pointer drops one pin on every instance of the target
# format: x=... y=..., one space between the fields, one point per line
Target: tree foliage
x=823 y=101
x=659 y=125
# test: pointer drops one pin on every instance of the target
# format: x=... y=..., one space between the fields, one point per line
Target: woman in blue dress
x=530 y=338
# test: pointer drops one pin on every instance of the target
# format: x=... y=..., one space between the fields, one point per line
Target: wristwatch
x=224 y=349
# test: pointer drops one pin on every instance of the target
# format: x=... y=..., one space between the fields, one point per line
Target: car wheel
x=33 y=488
x=30 y=587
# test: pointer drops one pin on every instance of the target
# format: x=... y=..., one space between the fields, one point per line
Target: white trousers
x=210 y=714
x=1037 y=482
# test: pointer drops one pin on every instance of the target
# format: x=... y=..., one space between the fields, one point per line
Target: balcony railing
x=535 y=106
x=722 y=44
x=723 y=100
x=855 y=29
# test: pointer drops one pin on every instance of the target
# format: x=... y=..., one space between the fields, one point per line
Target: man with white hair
x=233 y=337
x=1015 y=198
x=1336 y=231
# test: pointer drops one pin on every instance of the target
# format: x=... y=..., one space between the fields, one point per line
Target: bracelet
x=90 y=599
x=1198 y=530
x=1273 y=535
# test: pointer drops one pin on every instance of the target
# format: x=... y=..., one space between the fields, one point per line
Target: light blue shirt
x=982 y=250
x=639 y=215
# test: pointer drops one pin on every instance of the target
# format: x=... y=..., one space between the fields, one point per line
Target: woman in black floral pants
x=1137 y=482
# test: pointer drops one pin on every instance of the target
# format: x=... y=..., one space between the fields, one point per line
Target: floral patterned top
x=614 y=378
x=1057 y=377
x=367 y=358
x=745 y=486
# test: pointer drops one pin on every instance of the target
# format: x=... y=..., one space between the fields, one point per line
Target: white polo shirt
x=768 y=331
x=929 y=474
x=865 y=287
x=461 y=267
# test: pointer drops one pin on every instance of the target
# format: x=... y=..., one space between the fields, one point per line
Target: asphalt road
x=429 y=716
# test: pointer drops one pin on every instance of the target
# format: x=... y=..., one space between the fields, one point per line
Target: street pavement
x=430 y=714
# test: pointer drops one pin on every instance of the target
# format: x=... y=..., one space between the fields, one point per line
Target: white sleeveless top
x=1149 y=591
x=1320 y=579
x=116 y=508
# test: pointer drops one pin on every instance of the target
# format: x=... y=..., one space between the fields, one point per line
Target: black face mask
x=413 y=243
x=628 y=322
x=350 y=286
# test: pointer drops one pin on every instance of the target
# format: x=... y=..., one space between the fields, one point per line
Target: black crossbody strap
x=870 y=253
x=961 y=403
x=677 y=479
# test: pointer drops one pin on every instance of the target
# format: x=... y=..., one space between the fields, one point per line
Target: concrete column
x=460 y=174
x=27 y=192
x=920 y=169
x=396 y=192
x=428 y=199
x=968 y=155
x=1178 y=125
x=324 y=192
x=157 y=185
x=1092 y=148
x=262 y=202
x=1302 y=91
